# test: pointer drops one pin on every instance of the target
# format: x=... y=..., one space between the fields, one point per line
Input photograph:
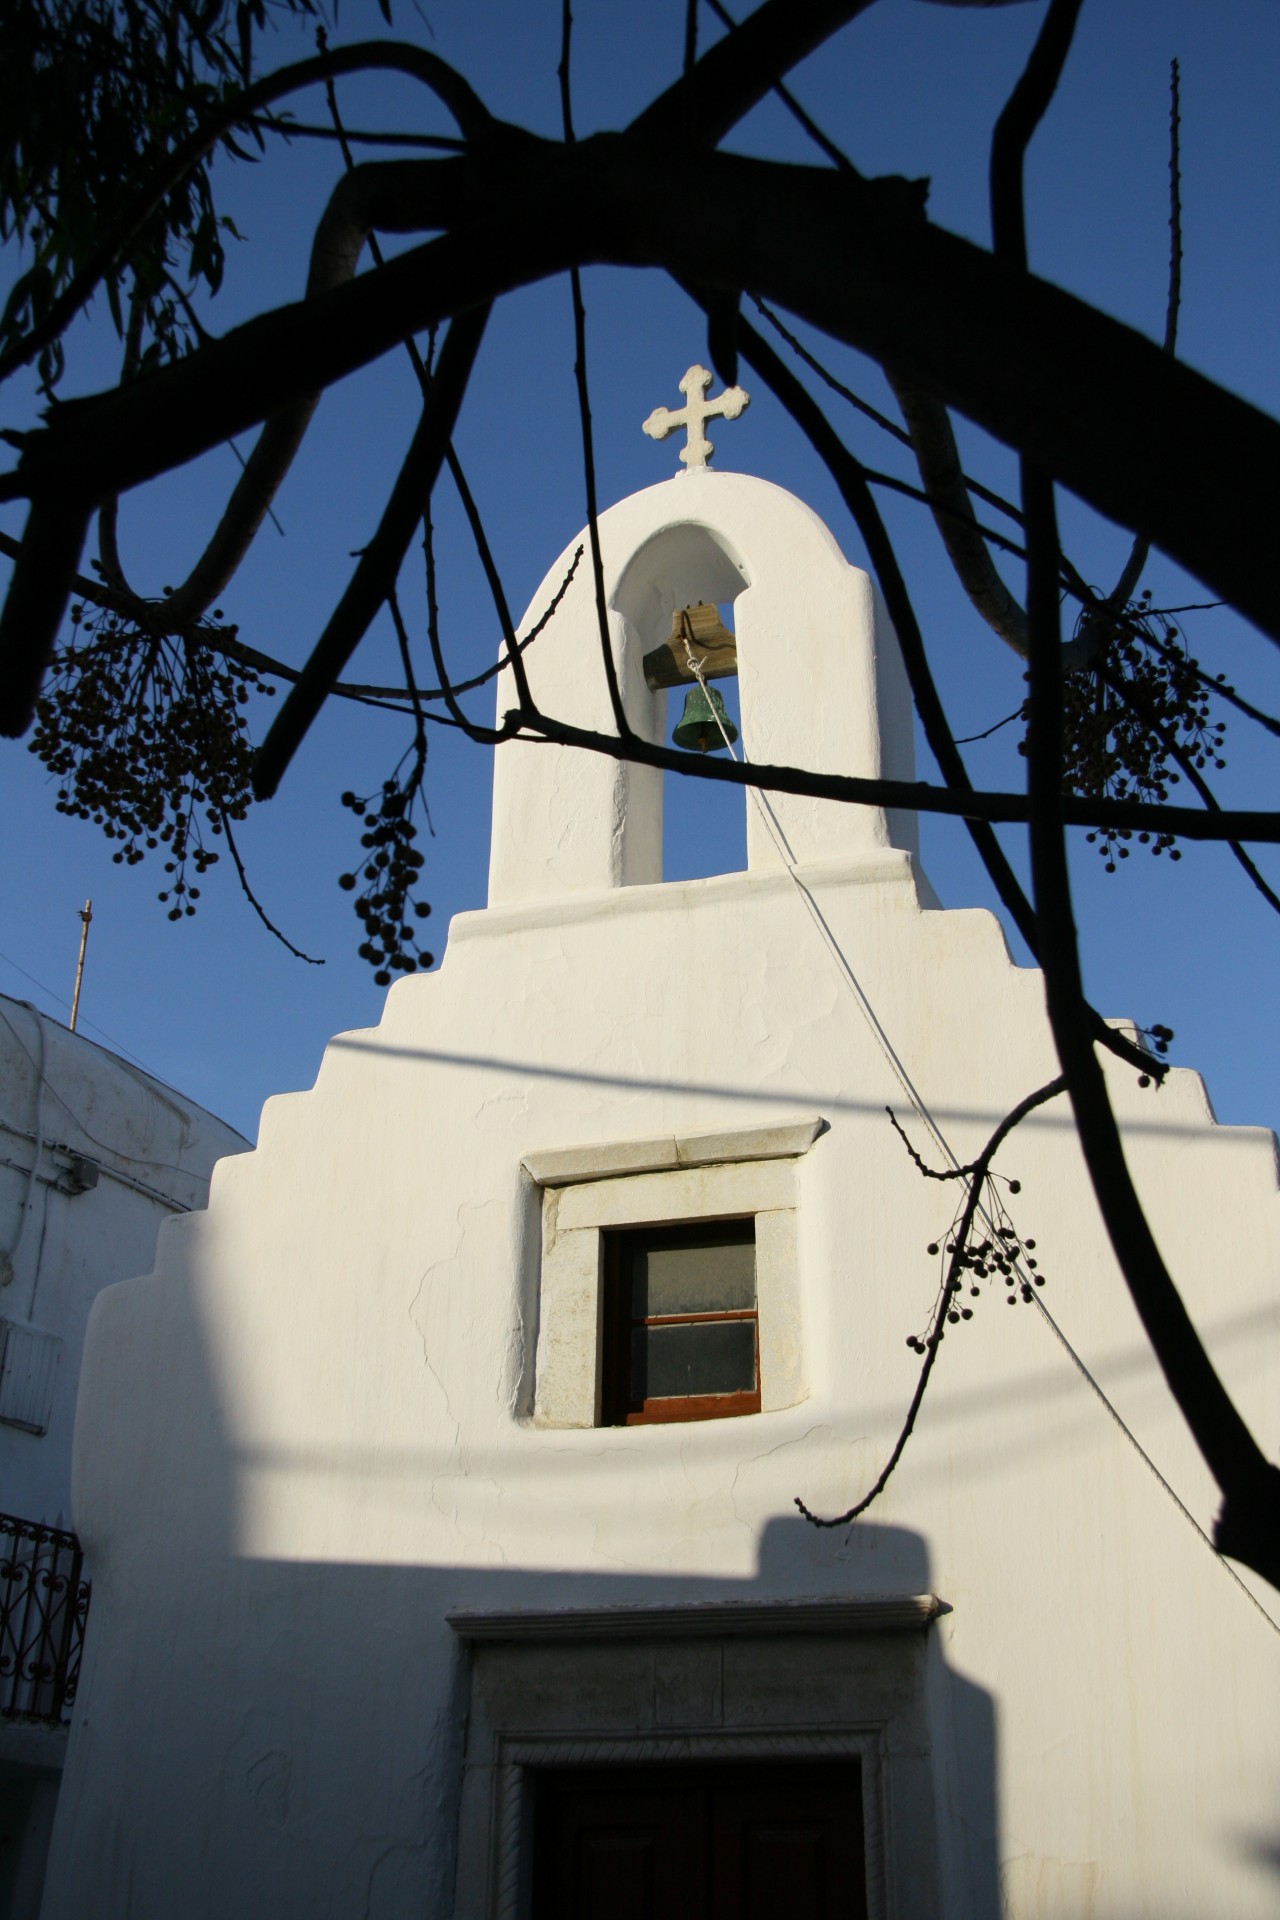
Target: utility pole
x=86 y=915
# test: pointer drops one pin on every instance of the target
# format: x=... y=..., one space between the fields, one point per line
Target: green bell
x=698 y=728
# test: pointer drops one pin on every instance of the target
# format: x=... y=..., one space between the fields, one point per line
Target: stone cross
x=697 y=450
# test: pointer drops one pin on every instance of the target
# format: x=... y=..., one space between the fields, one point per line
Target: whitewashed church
x=439 y=1484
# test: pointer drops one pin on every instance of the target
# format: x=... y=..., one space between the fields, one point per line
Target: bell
x=698 y=728
x=714 y=645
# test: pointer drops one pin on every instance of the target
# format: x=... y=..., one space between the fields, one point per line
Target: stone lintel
x=718 y=1619
x=567 y=1166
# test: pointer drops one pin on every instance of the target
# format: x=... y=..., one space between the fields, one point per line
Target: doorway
x=723 y=1842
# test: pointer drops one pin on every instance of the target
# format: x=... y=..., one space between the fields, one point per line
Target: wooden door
x=725 y=1842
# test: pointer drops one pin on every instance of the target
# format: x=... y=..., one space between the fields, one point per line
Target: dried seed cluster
x=1119 y=729
x=387 y=878
x=1001 y=1257
x=146 y=734
x=1159 y=1037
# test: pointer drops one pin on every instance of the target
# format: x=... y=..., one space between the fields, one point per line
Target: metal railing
x=44 y=1601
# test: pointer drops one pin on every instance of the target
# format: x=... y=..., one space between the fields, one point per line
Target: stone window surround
x=627 y=1686
x=587 y=1191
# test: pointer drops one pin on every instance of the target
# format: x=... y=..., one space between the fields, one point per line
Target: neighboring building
x=427 y=1580
x=94 y=1156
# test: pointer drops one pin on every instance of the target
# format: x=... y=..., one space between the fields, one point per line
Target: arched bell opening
x=704 y=823
x=677 y=596
x=821 y=682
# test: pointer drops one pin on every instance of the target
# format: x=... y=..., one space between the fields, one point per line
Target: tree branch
x=253 y=899
x=620 y=720
x=379 y=564
x=847 y=474
x=1141 y=437
x=1249 y=1524
x=737 y=73
x=469 y=111
x=1023 y=112
x=938 y=458
x=1192 y=823
x=783 y=93
x=1131 y=572
x=1130 y=695
x=976 y=1173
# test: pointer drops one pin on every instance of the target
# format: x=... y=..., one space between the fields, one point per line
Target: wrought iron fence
x=44 y=1600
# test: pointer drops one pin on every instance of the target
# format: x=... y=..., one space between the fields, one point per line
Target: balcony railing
x=44 y=1600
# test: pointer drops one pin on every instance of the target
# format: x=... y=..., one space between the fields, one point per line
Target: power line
x=899 y=1071
x=117 y=1045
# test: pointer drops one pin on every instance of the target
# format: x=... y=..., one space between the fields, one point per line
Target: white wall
x=152 y=1152
x=335 y=1444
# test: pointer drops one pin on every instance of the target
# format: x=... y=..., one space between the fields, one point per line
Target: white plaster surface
x=95 y=1156
x=149 y=1152
x=821 y=680
x=309 y=1436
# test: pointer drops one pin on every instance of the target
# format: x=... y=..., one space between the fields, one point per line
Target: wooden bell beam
x=715 y=647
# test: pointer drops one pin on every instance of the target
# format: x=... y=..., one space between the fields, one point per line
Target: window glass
x=693 y=1357
x=695 y=1273
x=680 y=1334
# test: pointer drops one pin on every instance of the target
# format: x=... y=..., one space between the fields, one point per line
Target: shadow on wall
x=262 y=1737
x=273 y=1738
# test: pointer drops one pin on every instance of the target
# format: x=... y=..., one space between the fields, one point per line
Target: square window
x=680 y=1333
x=674 y=1200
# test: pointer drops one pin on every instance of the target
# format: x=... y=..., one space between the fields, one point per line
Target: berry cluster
x=1159 y=1037
x=146 y=734
x=1001 y=1256
x=389 y=874
x=1141 y=702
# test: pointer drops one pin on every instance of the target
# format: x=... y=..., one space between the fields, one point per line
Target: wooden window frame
x=617 y=1408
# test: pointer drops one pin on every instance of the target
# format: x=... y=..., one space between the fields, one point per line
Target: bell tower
x=820 y=677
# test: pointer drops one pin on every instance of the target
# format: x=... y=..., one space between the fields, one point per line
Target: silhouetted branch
x=918 y=796
x=737 y=73
x=976 y=1173
x=847 y=474
x=465 y=495
x=938 y=458
x=1177 y=753
x=484 y=736
x=968 y=739
x=1137 y=434
x=620 y=720
x=1131 y=572
x=109 y=512
x=1214 y=684
x=286 y=127
x=253 y=899
x=593 y=518
x=1022 y=114
x=494 y=579
x=782 y=92
x=379 y=564
x=1249 y=1523
x=149 y=616
x=457 y=95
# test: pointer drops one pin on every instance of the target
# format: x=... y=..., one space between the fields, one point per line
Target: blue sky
x=213 y=1005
